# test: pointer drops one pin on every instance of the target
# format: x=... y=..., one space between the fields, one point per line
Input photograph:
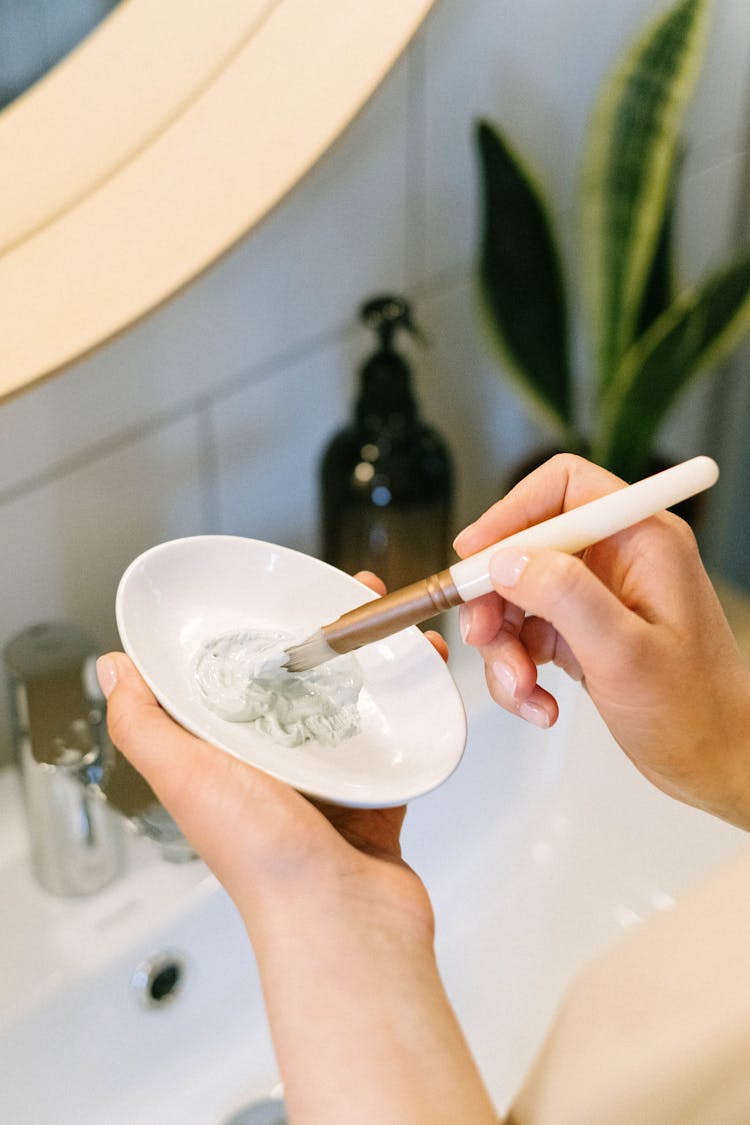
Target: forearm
x=362 y=1027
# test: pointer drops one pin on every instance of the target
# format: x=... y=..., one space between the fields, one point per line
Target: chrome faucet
x=70 y=772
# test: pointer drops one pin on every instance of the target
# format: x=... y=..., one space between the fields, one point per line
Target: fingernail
x=534 y=714
x=463 y=536
x=464 y=622
x=507 y=566
x=106 y=673
x=505 y=677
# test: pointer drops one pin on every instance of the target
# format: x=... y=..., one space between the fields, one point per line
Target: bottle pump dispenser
x=387 y=478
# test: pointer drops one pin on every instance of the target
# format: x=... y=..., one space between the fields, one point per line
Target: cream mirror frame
x=162 y=139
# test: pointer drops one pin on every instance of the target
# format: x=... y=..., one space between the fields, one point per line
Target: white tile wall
x=22 y=47
x=211 y=414
x=531 y=68
x=710 y=199
x=36 y=34
x=65 y=25
x=65 y=544
x=463 y=394
x=717 y=118
x=267 y=473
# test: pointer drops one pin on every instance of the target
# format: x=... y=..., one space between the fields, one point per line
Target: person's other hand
x=636 y=618
x=251 y=829
x=342 y=928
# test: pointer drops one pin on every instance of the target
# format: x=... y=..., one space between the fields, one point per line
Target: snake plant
x=649 y=337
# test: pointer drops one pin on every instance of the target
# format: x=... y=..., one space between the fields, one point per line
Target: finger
x=372 y=581
x=560 y=588
x=481 y=619
x=438 y=642
x=539 y=707
x=201 y=786
x=563 y=482
x=545 y=646
x=145 y=734
x=510 y=672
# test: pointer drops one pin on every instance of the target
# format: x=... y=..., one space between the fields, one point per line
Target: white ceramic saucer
x=182 y=593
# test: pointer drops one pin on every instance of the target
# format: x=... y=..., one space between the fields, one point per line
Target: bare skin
x=341 y=926
x=637 y=619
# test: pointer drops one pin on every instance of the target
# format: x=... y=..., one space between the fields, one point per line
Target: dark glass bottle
x=387 y=479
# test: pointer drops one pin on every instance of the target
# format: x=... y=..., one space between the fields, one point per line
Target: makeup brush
x=469 y=578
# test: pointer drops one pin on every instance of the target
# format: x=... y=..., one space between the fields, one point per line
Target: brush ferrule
x=408 y=606
x=309 y=653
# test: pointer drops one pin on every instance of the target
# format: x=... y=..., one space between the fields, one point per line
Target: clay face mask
x=239 y=679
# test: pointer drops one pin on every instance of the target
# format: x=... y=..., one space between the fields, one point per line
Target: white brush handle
x=587 y=524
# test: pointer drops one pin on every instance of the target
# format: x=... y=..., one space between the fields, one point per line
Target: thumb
x=216 y=799
x=561 y=589
x=163 y=752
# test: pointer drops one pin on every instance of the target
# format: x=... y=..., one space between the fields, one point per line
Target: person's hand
x=241 y=820
x=342 y=928
x=637 y=619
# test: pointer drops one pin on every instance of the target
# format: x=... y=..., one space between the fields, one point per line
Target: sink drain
x=269 y=1111
x=158 y=981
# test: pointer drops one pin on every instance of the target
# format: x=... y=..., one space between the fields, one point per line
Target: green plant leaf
x=521 y=283
x=660 y=288
x=626 y=175
x=692 y=336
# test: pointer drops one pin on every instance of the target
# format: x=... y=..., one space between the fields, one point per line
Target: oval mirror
x=160 y=140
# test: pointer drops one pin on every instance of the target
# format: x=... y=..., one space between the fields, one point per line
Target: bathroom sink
x=142 y=1004
x=546 y=848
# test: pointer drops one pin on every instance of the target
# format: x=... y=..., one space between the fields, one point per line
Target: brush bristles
x=309 y=654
